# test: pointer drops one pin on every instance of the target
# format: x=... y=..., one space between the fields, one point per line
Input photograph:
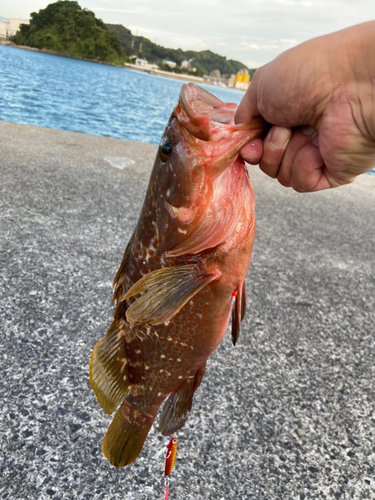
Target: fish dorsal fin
x=215 y=227
x=108 y=368
x=177 y=407
x=166 y=291
x=238 y=312
x=119 y=280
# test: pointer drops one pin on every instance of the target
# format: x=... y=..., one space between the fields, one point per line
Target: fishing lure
x=170 y=451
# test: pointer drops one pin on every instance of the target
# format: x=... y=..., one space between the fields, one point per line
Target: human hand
x=319 y=98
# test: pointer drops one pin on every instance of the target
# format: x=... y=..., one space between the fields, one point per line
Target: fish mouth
x=207 y=118
x=207 y=126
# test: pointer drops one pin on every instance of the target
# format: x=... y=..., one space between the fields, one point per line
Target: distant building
x=186 y=65
x=10 y=27
x=143 y=63
x=242 y=80
x=3 y=31
x=215 y=73
x=171 y=64
x=232 y=81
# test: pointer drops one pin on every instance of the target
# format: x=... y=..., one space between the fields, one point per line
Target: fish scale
x=182 y=275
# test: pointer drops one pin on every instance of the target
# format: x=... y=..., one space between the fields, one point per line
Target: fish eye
x=166 y=150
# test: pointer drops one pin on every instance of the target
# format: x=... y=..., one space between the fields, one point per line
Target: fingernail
x=315 y=141
x=279 y=137
x=251 y=159
x=308 y=130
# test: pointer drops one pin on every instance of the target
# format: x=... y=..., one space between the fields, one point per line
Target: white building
x=3 y=30
x=171 y=64
x=143 y=63
x=10 y=27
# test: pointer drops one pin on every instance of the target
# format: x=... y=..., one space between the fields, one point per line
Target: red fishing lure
x=170 y=458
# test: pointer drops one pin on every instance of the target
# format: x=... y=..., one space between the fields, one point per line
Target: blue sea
x=80 y=96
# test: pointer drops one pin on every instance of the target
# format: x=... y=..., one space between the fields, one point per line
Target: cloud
x=245 y=30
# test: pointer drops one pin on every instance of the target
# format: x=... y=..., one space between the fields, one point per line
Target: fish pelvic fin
x=166 y=291
x=109 y=369
x=177 y=407
x=126 y=435
x=238 y=312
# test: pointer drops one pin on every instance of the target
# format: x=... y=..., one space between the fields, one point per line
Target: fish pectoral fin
x=166 y=291
x=238 y=312
x=108 y=368
x=177 y=407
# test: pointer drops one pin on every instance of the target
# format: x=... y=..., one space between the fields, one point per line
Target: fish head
x=201 y=140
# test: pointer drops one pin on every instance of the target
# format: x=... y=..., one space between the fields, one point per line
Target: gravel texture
x=289 y=413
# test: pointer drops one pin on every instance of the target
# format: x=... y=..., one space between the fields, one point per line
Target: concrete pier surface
x=289 y=413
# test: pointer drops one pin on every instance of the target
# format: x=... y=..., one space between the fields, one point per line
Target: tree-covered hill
x=66 y=28
x=204 y=61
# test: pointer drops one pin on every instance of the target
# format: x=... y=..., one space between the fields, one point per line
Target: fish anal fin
x=108 y=368
x=126 y=435
x=166 y=291
x=199 y=376
x=177 y=407
x=238 y=311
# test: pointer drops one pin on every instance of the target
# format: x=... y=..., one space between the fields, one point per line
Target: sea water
x=80 y=96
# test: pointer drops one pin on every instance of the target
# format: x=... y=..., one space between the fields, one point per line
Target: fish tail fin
x=126 y=435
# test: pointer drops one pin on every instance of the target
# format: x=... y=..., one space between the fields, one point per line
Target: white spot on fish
x=119 y=162
x=180 y=376
x=183 y=231
x=179 y=360
x=168 y=192
x=162 y=356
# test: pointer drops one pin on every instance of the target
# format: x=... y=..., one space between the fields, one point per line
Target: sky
x=251 y=31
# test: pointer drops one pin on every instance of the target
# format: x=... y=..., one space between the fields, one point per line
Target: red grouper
x=182 y=276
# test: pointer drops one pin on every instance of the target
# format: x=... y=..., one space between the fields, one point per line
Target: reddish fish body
x=182 y=274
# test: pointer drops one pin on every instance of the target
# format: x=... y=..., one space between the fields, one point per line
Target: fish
x=182 y=276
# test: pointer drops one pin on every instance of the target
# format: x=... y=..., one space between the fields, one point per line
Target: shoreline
x=167 y=74
x=8 y=43
x=155 y=72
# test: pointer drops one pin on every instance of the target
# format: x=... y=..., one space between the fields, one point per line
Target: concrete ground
x=289 y=413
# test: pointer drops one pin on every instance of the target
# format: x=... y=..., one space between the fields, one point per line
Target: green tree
x=204 y=61
x=66 y=28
